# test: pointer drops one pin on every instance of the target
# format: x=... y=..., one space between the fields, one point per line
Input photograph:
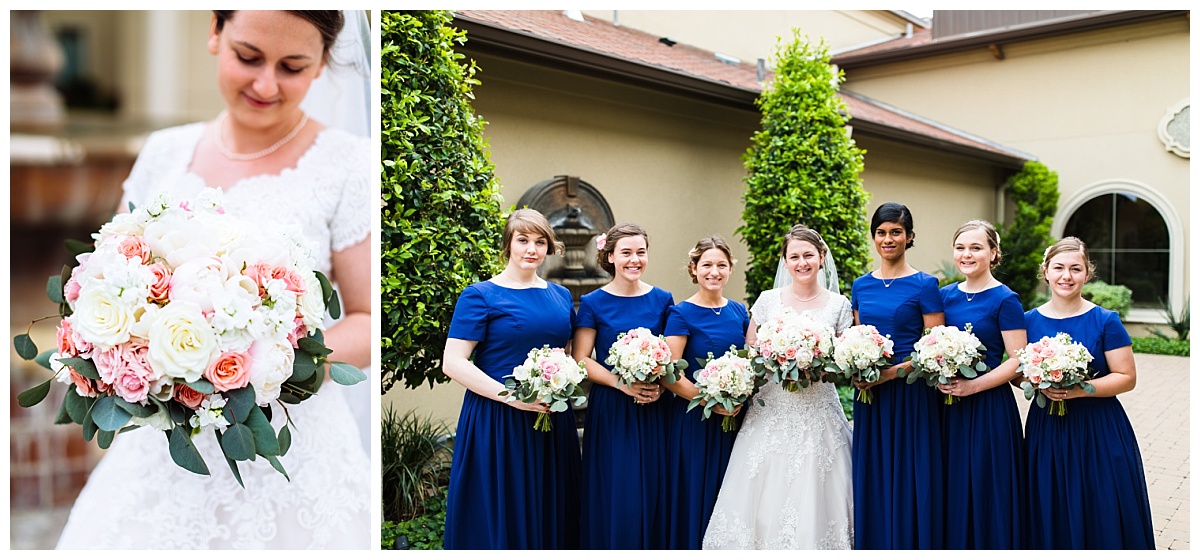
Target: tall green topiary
x=441 y=215
x=803 y=168
x=1024 y=239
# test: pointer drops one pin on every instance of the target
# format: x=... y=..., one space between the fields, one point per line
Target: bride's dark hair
x=328 y=22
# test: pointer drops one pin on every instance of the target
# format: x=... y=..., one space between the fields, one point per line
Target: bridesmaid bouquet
x=639 y=355
x=1054 y=362
x=945 y=352
x=184 y=319
x=550 y=376
x=792 y=350
x=727 y=381
x=859 y=354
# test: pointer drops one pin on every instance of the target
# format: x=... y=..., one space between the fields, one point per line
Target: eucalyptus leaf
x=38 y=393
x=346 y=374
x=82 y=366
x=278 y=466
x=310 y=346
x=202 y=386
x=558 y=406
x=104 y=438
x=108 y=415
x=237 y=474
x=285 y=440
x=43 y=359
x=54 y=289
x=77 y=406
x=303 y=367
x=184 y=452
x=63 y=416
x=89 y=426
x=326 y=286
x=25 y=347
x=135 y=409
x=239 y=402
x=288 y=398
x=265 y=442
x=77 y=247
x=335 y=307
x=238 y=442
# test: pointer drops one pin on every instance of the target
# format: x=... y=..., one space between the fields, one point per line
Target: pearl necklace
x=229 y=154
x=804 y=300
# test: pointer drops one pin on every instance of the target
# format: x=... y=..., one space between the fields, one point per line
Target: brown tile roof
x=604 y=38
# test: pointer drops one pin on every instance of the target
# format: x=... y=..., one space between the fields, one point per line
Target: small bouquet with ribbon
x=943 y=353
x=548 y=375
x=859 y=354
x=1058 y=362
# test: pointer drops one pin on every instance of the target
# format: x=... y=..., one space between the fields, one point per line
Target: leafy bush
x=1181 y=324
x=1113 y=297
x=846 y=396
x=441 y=206
x=416 y=463
x=949 y=274
x=1155 y=345
x=425 y=532
x=1024 y=240
x=803 y=168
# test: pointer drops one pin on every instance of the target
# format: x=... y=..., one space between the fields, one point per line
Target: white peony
x=270 y=365
x=177 y=239
x=199 y=280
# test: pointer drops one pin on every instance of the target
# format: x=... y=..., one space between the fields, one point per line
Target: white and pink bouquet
x=1056 y=362
x=185 y=319
x=639 y=355
x=726 y=381
x=792 y=349
x=943 y=353
x=548 y=375
x=859 y=354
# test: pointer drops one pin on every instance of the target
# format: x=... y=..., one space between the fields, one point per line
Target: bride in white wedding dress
x=276 y=166
x=788 y=484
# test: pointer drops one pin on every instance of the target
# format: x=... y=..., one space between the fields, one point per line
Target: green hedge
x=1155 y=345
x=1024 y=239
x=1113 y=297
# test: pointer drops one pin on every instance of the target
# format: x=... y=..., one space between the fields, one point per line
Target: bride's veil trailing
x=341 y=96
x=827 y=278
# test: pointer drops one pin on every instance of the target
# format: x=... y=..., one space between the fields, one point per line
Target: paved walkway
x=1160 y=410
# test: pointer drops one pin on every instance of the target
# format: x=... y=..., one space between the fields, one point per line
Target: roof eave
x=886 y=132
x=1089 y=22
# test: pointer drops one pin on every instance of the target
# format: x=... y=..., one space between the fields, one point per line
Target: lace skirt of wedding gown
x=788 y=485
x=137 y=498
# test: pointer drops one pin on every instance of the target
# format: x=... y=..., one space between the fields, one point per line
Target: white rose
x=199 y=280
x=270 y=365
x=312 y=304
x=160 y=420
x=124 y=223
x=178 y=239
x=182 y=343
x=102 y=319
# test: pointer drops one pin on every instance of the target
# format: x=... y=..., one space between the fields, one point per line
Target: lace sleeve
x=845 y=316
x=352 y=218
x=760 y=311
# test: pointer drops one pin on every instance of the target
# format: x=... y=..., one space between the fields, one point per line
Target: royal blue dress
x=985 y=460
x=624 y=443
x=698 y=450
x=511 y=486
x=899 y=482
x=1086 y=485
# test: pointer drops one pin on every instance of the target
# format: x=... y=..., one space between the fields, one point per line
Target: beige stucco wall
x=752 y=34
x=1086 y=105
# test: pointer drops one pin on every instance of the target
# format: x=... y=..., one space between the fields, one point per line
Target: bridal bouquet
x=1056 y=362
x=945 y=352
x=792 y=349
x=639 y=355
x=184 y=319
x=550 y=376
x=859 y=354
x=727 y=381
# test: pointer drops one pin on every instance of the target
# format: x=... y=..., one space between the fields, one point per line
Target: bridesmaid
x=1086 y=486
x=511 y=487
x=899 y=479
x=625 y=437
x=699 y=449
x=984 y=444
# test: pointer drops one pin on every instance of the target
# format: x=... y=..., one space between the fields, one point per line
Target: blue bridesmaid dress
x=899 y=478
x=985 y=458
x=1086 y=486
x=698 y=450
x=512 y=487
x=624 y=443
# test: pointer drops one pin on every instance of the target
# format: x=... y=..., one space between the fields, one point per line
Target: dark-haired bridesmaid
x=625 y=436
x=511 y=486
x=984 y=443
x=899 y=480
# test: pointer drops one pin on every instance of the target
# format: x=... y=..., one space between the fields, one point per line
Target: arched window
x=1130 y=243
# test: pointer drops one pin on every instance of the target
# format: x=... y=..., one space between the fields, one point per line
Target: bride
x=788 y=483
x=275 y=165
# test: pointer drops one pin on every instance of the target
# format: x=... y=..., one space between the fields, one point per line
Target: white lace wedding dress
x=137 y=498
x=788 y=484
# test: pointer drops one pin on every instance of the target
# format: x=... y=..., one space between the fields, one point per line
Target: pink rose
x=162 y=282
x=229 y=371
x=261 y=273
x=298 y=331
x=187 y=396
x=291 y=278
x=134 y=248
x=1035 y=379
x=548 y=367
x=1056 y=375
x=659 y=355
x=66 y=339
x=109 y=363
x=83 y=385
x=790 y=354
x=131 y=386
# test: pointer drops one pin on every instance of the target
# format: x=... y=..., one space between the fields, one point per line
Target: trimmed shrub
x=441 y=206
x=803 y=168
x=1024 y=239
x=1113 y=297
x=1155 y=345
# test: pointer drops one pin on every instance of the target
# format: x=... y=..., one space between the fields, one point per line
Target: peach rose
x=229 y=371
x=134 y=248
x=187 y=396
x=261 y=273
x=291 y=278
x=83 y=385
x=162 y=282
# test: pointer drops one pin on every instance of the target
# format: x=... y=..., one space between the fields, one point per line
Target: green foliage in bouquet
x=803 y=168
x=441 y=208
x=249 y=434
x=1034 y=193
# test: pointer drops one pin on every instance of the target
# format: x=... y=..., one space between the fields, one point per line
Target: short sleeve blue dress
x=624 y=443
x=899 y=479
x=985 y=460
x=1086 y=485
x=698 y=449
x=511 y=486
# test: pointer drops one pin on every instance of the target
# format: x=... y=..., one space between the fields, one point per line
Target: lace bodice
x=327 y=193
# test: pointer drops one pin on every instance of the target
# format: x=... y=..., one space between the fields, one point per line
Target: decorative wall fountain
x=578 y=213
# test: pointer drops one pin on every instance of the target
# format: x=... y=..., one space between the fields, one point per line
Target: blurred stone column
x=34 y=59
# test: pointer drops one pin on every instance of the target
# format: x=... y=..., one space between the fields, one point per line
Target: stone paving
x=1160 y=410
